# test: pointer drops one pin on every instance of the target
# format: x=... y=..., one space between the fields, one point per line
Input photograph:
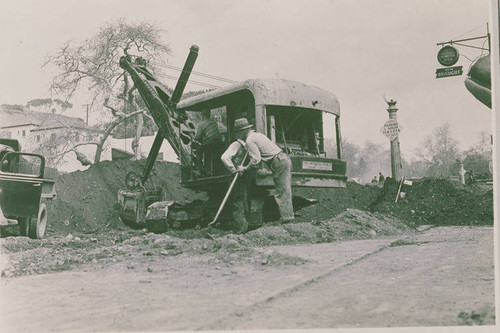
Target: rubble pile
x=351 y=224
x=59 y=253
x=438 y=202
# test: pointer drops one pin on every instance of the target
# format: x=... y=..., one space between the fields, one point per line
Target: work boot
x=285 y=221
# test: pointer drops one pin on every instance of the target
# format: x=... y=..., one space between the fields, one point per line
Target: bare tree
x=94 y=65
x=439 y=152
x=479 y=156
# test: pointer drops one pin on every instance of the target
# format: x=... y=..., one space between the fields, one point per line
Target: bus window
x=295 y=130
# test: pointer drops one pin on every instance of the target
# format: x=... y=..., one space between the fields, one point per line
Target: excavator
x=290 y=113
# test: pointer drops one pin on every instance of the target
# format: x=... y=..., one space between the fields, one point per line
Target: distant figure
x=206 y=139
x=381 y=177
x=207 y=131
x=462 y=173
x=374 y=180
x=470 y=177
x=4 y=149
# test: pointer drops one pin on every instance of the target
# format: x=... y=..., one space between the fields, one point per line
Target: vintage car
x=23 y=189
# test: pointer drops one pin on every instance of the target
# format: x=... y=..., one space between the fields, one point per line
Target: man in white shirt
x=261 y=148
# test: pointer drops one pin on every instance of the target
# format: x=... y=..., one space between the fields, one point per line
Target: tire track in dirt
x=446 y=260
x=290 y=290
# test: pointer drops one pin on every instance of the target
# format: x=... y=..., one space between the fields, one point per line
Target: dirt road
x=441 y=277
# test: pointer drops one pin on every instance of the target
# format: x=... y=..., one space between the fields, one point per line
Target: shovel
x=227 y=193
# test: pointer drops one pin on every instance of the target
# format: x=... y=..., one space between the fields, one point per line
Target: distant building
x=53 y=134
x=46 y=133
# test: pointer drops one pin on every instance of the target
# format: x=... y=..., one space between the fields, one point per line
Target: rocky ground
x=59 y=253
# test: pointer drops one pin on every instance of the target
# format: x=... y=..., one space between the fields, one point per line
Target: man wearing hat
x=261 y=149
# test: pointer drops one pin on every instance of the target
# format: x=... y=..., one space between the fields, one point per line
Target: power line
x=193 y=82
x=202 y=74
x=465 y=33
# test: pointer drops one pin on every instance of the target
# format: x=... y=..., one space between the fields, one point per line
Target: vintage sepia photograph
x=189 y=165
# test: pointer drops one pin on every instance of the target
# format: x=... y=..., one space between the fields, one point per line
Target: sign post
x=448 y=55
x=391 y=130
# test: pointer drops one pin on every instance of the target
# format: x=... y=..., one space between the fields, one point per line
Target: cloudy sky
x=357 y=49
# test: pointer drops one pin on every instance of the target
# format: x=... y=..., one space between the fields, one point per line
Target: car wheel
x=37 y=226
x=23 y=223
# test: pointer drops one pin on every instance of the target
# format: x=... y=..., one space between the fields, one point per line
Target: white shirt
x=260 y=147
x=236 y=150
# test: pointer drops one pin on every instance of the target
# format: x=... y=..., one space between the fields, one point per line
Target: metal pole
x=472 y=47
x=461 y=40
x=87 y=116
x=489 y=39
x=338 y=137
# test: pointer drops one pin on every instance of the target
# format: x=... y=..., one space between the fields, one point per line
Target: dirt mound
x=438 y=202
x=352 y=224
x=87 y=200
x=333 y=201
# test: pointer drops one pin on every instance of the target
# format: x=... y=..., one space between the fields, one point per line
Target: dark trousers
x=240 y=204
x=245 y=209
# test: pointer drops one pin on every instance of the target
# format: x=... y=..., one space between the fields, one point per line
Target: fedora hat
x=241 y=124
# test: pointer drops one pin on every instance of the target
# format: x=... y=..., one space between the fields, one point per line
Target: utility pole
x=391 y=131
x=87 y=117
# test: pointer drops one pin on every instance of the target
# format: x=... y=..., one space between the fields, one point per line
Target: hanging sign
x=448 y=56
x=449 y=71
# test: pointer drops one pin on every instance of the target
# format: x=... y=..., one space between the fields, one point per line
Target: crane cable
x=202 y=74
x=192 y=81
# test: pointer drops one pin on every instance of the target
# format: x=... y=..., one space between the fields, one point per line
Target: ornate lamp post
x=391 y=131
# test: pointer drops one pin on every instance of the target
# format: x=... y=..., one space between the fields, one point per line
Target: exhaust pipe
x=186 y=72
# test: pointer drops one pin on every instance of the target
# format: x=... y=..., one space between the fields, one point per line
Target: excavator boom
x=136 y=202
x=173 y=126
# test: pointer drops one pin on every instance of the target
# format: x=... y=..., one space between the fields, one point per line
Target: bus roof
x=268 y=92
